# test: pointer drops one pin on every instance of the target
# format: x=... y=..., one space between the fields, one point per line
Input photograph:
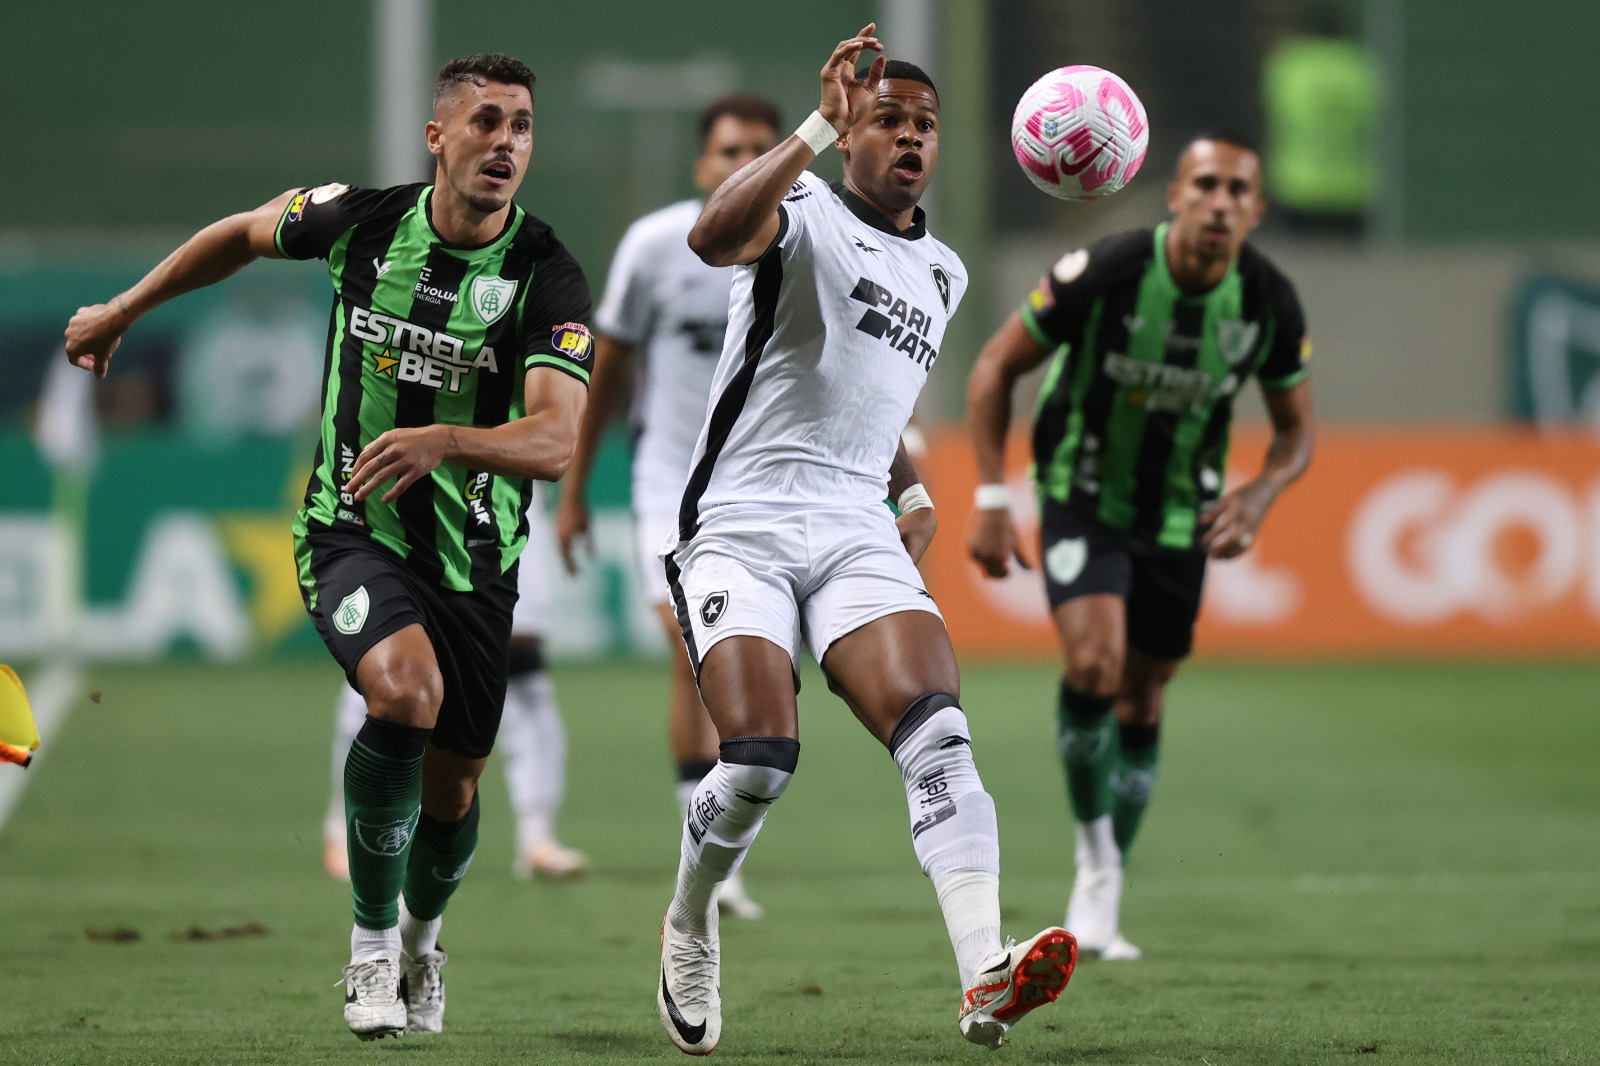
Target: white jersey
x=830 y=339
x=662 y=299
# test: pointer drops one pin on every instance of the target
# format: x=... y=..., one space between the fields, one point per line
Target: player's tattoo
x=455 y=444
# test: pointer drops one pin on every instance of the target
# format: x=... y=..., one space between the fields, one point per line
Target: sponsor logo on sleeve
x=491 y=297
x=572 y=339
x=1305 y=348
x=331 y=191
x=297 y=208
x=1042 y=298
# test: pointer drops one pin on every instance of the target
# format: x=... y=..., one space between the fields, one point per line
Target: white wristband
x=992 y=497
x=914 y=499
x=817 y=132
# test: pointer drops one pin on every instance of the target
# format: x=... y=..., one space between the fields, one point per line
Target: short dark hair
x=481 y=69
x=746 y=107
x=903 y=71
x=1223 y=136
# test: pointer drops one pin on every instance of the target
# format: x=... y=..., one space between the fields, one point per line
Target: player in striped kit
x=457 y=372
x=1153 y=334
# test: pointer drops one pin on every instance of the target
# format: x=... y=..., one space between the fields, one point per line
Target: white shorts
x=531 y=616
x=654 y=533
x=792 y=577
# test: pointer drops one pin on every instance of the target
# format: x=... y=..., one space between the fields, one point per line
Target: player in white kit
x=839 y=307
x=533 y=742
x=663 y=303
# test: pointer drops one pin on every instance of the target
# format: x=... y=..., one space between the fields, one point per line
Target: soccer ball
x=1080 y=133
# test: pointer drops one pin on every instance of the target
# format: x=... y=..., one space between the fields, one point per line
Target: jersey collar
x=425 y=214
x=876 y=219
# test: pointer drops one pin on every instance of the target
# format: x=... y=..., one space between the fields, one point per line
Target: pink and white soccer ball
x=1080 y=133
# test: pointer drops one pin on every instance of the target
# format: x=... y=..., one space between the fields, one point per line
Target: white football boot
x=550 y=860
x=422 y=989
x=689 y=998
x=732 y=897
x=1015 y=980
x=1094 y=908
x=372 y=1005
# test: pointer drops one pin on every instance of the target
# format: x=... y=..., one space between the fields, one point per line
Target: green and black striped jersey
x=1134 y=414
x=426 y=332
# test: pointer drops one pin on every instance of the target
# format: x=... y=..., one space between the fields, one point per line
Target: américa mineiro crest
x=491 y=297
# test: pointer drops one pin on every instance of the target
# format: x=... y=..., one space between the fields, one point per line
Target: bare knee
x=406 y=692
x=1095 y=667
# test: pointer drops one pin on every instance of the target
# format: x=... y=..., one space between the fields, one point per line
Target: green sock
x=1087 y=745
x=440 y=855
x=382 y=800
x=1133 y=779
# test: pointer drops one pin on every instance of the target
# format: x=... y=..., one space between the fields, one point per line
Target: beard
x=486 y=204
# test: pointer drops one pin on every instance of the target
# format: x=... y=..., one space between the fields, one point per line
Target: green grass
x=1398 y=860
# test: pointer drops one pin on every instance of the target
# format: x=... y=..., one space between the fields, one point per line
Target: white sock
x=1097 y=844
x=418 y=936
x=370 y=943
x=724 y=817
x=953 y=826
x=533 y=743
x=970 y=900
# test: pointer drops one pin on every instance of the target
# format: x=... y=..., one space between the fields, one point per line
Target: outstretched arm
x=1237 y=516
x=214 y=253
x=740 y=220
x=1008 y=355
x=538 y=445
x=607 y=384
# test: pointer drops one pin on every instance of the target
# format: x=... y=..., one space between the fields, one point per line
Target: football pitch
x=1399 y=861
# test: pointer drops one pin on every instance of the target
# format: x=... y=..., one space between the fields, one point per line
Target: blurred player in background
x=662 y=302
x=1154 y=333
x=839 y=306
x=532 y=742
x=457 y=368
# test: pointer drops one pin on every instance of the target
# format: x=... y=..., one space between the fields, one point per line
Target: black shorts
x=361 y=592
x=1161 y=586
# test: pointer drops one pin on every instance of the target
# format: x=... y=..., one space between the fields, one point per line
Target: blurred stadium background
x=1433 y=169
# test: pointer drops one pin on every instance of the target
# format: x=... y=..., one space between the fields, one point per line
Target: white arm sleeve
x=627 y=310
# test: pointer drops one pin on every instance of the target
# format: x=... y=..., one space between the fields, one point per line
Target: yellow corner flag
x=19 y=737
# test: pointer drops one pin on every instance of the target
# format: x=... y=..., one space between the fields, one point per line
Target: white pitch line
x=53 y=692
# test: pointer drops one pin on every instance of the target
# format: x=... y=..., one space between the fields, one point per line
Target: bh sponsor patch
x=572 y=339
x=297 y=208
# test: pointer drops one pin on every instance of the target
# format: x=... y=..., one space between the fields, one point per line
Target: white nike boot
x=1015 y=980
x=689 y=997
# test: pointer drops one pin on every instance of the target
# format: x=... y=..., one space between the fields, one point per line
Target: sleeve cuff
x=1285 y=384
x=566 y=366
x=1031 y=324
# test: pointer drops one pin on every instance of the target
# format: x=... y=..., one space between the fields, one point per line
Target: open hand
x=94 y=333
x=844 y=99
x=993 y=541
x=404 y=454
x=572 y=527
x=1234 y=521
